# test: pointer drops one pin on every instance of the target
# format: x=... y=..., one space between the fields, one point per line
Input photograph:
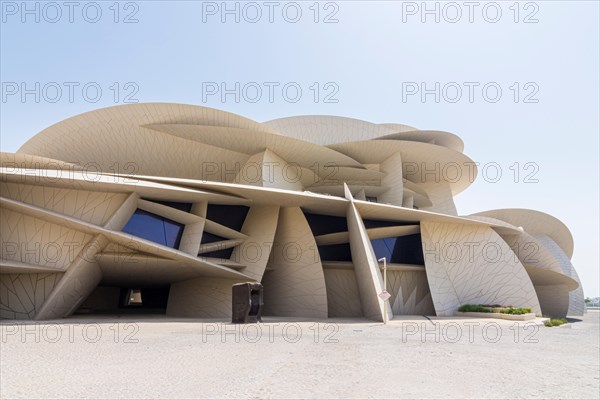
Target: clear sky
x=369 y=60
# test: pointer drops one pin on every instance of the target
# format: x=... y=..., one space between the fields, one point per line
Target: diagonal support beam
x=366 y=267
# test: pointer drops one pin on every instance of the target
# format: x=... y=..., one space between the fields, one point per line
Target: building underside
x=161 y=208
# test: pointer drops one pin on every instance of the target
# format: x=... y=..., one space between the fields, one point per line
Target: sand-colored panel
x=260 y=226
x=201 y=298
x=294 y=284
x=22 y=294
x=343 y=297
x=473 y=265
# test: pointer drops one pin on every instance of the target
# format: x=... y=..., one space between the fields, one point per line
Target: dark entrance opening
x=126 y=300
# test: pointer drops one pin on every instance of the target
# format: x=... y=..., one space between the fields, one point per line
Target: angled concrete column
x=254 y=252
x=366 y=267
x=392 y=167
x=294 y=283
x=77 y=283
x=192 y=233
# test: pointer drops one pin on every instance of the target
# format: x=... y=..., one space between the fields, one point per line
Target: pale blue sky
x=367 y=54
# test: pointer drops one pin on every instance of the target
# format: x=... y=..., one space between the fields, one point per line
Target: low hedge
x=516 y=311
x=555 y=322
x=473 y=308
x=488 y=309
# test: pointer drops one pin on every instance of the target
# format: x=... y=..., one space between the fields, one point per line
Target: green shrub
x=473 y=308
x=516 y=311
x=488 y=309
x=555 y=322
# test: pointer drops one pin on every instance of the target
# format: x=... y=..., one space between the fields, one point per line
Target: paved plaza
x=412 y=357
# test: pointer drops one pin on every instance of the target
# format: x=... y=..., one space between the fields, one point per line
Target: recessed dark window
x=211 y=238
x=219 y=253
x=400 y=250
x=335 y=252
x=373 y=223
x=231 y=216
x=324 y=224
x=371 y=199
x=187 y=207
x=223 y=253
x=155 y=228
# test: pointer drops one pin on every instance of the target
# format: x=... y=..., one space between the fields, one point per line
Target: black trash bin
x=247 y=303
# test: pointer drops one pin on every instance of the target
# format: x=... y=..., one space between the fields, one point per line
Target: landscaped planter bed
x=510 y=317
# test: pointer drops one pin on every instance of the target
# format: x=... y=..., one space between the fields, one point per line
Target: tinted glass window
x=384 y=248
x=400 y=250
x=155 y=228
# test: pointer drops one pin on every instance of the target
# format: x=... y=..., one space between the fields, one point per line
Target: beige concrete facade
x=180 y=202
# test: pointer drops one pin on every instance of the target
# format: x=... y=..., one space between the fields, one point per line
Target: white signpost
x=384 y=295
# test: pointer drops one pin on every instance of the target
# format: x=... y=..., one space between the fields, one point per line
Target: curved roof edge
x=535 y=222
x=151 y=113
x=399 y=127
x=28 y=161
x=327 y=129
x=440 y=138
x=330 y=129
